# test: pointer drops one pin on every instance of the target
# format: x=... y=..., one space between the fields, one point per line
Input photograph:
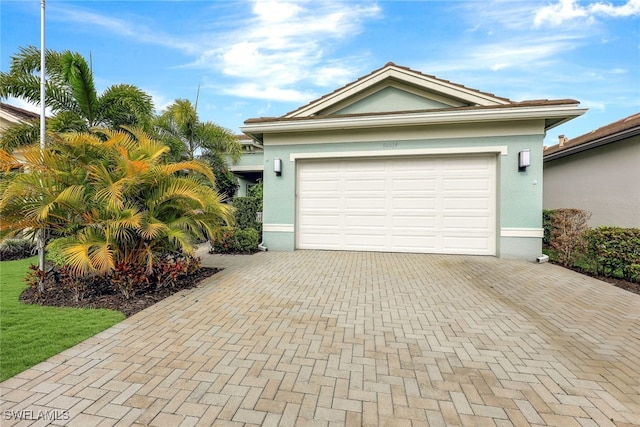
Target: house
x=401 y=161
x=597 y=172
x=10 y=116
x=250 y=168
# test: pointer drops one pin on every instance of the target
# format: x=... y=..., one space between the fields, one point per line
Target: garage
x=402 y=161
x=442 y=205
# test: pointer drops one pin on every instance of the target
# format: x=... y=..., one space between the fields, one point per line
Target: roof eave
x=598 y=142
x=553 y=115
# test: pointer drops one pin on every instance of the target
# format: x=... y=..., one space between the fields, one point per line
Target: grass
x=30 y=334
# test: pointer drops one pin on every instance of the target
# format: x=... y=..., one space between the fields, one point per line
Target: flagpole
x=41 y=232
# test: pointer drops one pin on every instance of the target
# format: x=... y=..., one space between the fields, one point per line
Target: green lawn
x=30 y=334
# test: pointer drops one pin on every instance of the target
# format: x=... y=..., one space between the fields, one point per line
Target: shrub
x=168 y=271
x=237 y=241
x=77 y=284
x=127 y=278
x=113 y=198
x=567 y=229
x=612 y=249
x=257 y=191
x=247 y=239
x=54 y=252
x=12 y=249
x=246 y=212
x=546 y=225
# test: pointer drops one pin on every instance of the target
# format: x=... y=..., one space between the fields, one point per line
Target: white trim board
x=247 y=168
x=501 y=149
x=522 y=232
x=278 y=228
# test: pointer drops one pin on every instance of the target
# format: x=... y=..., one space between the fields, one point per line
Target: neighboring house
x=400 y=161
x=597 y=172
x=250 y=168
x=10 y=115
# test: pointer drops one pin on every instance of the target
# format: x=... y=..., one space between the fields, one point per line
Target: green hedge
x=612 y=249
x=237 y=241
x=247 y=209
x=546 y=225
x=14 y=249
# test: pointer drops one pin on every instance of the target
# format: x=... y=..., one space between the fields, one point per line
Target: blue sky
x=266 y=58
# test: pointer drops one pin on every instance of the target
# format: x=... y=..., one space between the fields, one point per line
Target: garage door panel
x=415 y=202
x=413 y=221
x=309 y=204
x=424 y=204
x=466 y=203
x=409 y=243
x=365 y=203
x=354 y=221
x=475 y=245
x=465 y=222
x=361 y=184
x=413 y=184
x=358 y=168
x=467 y=184
x=317 y=219
x=320 y=186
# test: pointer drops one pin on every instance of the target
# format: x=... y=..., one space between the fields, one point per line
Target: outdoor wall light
x=524 y=160
x=277 y=166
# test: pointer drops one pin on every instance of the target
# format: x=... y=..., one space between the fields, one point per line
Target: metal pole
x=41 y=232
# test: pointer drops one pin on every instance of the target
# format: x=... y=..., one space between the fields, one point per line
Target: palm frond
x=124 y=104
x=20 y=134
x=189 y=165
x=78 y=76
x=152 y=228
x=219 y=140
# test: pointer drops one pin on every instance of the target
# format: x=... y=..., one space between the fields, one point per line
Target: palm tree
x=179 y=123
x=111 y=198
x=179 y=127
x=71 y=95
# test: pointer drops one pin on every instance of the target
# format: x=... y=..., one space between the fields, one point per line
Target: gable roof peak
x=392 y=71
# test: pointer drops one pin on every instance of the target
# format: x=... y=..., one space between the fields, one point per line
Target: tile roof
x=19 y=113
x=623 y=126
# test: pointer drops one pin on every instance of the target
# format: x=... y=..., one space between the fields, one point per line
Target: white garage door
x=423 y=204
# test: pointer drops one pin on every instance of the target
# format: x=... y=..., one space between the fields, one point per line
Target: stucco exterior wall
x=603 y=180
x=519 y=194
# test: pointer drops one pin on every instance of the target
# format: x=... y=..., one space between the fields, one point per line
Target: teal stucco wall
x=519 y=194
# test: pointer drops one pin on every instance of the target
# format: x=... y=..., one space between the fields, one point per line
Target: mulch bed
x=620 y=283
x=55 y=295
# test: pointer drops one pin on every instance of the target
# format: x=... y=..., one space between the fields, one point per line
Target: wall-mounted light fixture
x=524 y=160
x=277 y=166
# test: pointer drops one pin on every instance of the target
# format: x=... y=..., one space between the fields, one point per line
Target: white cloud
x=523 y=53
x=569 y=10
x=274 y=46
x=285 y=44
x=268 y=92
x=120 y=27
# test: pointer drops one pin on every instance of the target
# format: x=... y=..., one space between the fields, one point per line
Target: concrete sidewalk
x=350 y=338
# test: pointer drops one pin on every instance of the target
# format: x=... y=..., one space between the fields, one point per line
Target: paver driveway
x=335 y=338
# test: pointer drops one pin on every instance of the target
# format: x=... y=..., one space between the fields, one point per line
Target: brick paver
x=335 y=338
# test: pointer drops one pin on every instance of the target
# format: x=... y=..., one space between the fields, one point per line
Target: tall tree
x=71 y=96
x=189 y=138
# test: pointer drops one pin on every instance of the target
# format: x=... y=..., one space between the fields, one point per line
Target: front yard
x=30 y=334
